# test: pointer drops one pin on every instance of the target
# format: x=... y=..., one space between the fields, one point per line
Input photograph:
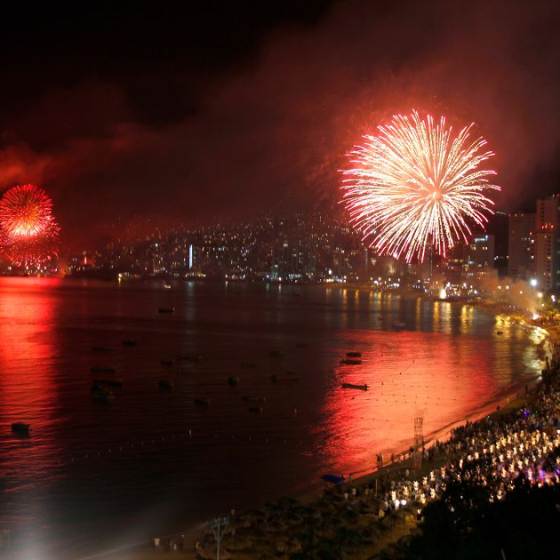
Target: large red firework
x=28 y=229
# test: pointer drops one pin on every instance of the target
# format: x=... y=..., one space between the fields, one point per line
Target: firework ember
x=416 y=185
x=27 y=225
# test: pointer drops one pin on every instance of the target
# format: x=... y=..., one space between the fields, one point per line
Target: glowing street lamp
x=533 y=282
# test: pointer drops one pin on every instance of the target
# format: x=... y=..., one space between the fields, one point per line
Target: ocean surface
x=94 y=476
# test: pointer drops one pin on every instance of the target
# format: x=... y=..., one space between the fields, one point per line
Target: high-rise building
x=521 y=245
x=481 y=251
x=547 y=246
x=480 y=257
x=457 y=263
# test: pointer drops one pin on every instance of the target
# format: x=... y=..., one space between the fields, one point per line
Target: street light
x=533 y=282
x=218 y=527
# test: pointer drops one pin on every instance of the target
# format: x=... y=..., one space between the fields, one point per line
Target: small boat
x=361 y=387
x=256 y=409
x=21 y=429
x=190 y=357
x=201 y=402
x=166 y=310
x=129 y=342
x=166 y=363
x=353 y=354
x=115 y=383
x=499 y=332
x=165 y=385
x=233 y=380
x=252 y=399
x=167 y=285
x=284 y=379
x=333 y=478
x=102 y=394
x=100 y=349
x=399 y=326
x=102 y=369
x=350 y=362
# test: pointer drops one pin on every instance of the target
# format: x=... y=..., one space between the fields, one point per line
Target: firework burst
x=416 y=185
x=28 y=229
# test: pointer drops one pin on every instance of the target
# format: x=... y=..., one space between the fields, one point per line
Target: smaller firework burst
x=28 y=228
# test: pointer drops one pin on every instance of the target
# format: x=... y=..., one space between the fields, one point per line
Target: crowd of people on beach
x=493 y=453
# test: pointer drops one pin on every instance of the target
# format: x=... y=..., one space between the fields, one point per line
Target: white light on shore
x=443 y=293
x=533 y=282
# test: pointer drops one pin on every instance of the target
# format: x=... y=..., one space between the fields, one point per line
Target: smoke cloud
x=271 y=132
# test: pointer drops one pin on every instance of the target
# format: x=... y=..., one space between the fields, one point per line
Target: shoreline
x=511 y=398
x=147 y=551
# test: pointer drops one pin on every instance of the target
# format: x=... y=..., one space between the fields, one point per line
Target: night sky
x=135 y=116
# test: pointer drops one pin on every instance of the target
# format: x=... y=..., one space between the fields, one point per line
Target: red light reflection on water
x=427 y=374
x=27 y=388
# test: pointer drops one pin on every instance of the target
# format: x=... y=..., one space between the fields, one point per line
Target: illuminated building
x=547 y=261
x=477 y=259
x=481 y=250
x=457 y=263
x=521 y=245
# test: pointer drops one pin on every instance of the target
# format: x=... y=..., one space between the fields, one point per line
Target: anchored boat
x=165 y=385
x=166 y=310
x=361 y=387
x=21 y=429
x=102 y=369
x=114 y=383
x=333 y=478
x=350 y=362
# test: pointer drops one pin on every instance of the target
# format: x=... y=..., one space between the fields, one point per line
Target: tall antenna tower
x=418 y=452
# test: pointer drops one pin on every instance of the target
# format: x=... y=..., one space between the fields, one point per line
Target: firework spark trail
x=28 y=228
x=415 y=185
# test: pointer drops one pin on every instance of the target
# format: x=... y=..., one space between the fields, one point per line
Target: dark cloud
x=177 y=142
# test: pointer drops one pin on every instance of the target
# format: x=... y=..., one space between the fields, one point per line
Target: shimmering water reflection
x=96 y=475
